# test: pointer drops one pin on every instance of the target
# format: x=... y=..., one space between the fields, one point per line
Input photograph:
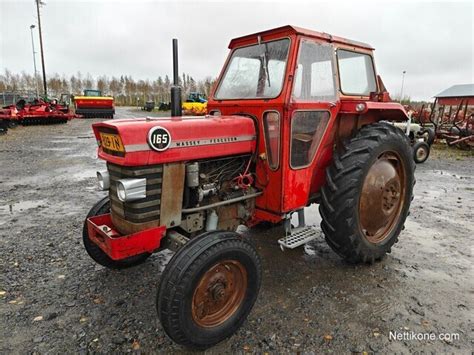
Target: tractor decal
x=130 y=148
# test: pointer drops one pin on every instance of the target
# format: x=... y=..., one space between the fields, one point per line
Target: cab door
x=311 y=113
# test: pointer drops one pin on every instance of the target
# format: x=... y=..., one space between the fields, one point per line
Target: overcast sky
x=432 y=41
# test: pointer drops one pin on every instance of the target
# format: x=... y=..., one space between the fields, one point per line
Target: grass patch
x=443 y=151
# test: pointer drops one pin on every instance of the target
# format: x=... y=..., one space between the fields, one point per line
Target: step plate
x=298 y=237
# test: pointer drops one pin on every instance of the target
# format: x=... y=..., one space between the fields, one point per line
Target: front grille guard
x=144 y=210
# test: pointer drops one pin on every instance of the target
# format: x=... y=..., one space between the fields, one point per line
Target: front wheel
x=208 y=289
x=367 y=194
x=421 y=152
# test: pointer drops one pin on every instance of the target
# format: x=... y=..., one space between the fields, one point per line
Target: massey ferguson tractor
x=297 y=117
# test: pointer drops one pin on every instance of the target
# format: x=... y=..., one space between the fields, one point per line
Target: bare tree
x=124 y=88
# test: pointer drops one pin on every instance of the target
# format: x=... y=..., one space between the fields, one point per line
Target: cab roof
x=291 y=30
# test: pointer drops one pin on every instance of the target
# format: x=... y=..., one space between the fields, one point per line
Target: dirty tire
x=341 y=196
x=421 y=152
x=431 y=135
x=102 y=207
x=183 y=278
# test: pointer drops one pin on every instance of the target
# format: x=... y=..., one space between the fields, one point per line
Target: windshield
x=92 y=93
x=255 y=71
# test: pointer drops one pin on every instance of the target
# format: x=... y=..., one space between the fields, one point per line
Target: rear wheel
x=430 y=135
x=97 y=254
x=421 y=152
x=208 y=289
x=367 y=194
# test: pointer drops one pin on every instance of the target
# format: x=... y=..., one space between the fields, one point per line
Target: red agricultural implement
x=461 y=134
x=298 y=117
x=37 y=112
x=452 y=116
x=457 y=125
x=94 y=105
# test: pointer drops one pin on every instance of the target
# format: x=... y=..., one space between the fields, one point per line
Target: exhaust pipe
x=176 y=109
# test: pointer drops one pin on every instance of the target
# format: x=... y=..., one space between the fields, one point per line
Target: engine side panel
x=172 y=194
x=192 y=138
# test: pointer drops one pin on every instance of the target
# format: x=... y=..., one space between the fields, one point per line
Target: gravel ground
x=54 y=299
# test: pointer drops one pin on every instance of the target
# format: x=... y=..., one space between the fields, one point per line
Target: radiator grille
x=144 y=210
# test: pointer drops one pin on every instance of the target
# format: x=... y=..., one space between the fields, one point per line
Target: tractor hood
x=147 y=141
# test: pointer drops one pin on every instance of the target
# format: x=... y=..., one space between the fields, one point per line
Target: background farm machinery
x=26 y=109
x=195 y=104
x=421 y=138
x=451 y=116
x=148 y=106
x=93 y=104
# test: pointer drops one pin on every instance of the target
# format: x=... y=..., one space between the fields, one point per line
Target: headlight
x=131 y=189
x=104 y=179
x=360 y=107
x=121 y=192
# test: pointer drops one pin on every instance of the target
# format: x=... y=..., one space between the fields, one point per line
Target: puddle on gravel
x=9 y=210
x=435 y=194
x=66 y=139
x=310 y=249
x=86 y=174
x=449 y=174
x=20 y=206
x=62 y=149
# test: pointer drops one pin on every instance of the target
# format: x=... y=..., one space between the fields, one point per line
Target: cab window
x=356 y=73
x=271 y=125
x=314 y=76
x=307 y=129
x=255 y=71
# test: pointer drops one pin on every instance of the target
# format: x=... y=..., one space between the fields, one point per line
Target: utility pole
x=403 y=81
x=34 y=59
x=38 y=3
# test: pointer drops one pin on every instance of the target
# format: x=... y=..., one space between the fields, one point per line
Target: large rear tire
x=367 y=195
x=97 y=254
x=208 y=289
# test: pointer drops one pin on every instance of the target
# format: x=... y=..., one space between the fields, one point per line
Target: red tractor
x=297 y=117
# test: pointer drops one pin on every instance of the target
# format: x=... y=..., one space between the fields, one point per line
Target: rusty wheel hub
x=219 y=293
x=421 y=154
x=382 y=197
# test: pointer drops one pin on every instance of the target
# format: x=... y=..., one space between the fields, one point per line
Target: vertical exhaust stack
x=176 y=109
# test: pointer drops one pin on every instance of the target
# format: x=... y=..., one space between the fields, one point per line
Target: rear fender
x=354 y=115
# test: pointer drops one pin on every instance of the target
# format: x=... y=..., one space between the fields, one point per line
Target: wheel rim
x=219 y=293
x=382 y=197
x=421 y=153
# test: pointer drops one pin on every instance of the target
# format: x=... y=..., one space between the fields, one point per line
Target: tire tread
x=343 y=179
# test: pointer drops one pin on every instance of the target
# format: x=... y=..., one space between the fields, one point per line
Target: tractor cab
x=299 y=85
x=65 y=99
x=92 y=93
x=196 y=97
